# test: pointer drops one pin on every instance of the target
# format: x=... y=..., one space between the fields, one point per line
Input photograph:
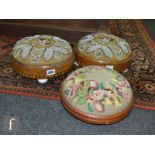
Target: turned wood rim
x=37 y=72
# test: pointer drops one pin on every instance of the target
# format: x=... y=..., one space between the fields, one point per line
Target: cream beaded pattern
x=103 y=44
x=41 y=45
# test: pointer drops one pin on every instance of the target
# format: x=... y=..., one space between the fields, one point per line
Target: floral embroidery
x=94 y=94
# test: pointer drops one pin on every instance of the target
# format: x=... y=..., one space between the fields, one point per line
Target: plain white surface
x=76 y=145
x=72 y=9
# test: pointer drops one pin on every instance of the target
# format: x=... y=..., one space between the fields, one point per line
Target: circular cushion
x=103 y=49
x=42 y=56
x=97 y=95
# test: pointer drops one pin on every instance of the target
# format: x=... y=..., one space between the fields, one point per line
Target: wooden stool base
x=41 y=72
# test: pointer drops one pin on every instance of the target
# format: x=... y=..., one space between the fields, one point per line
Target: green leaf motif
x=81 y=101
x=100 y=86
x=90 y=108
x=80 y=93
x=75 y=99
x=82 y=76
x=109 y=70
x=112 y=84
x=119 y=78
x=128 y=87
x=119 y=100
x=66 y=92
x=86 y=87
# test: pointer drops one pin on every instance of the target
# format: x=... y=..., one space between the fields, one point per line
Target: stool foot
x=76 y=64
x=126 y=70
x=42 y=80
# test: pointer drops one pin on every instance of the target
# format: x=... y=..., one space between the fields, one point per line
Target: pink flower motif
x=72 y=76
x=74 y=89
x=93 y=84
x=127 y=83
x=95 y=95
x=121 y=86
x=99 y=107
x=99 y=67
x=72 y=92
x=127 y=96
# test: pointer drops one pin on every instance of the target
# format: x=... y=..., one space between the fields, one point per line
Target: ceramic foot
x=76 y=64
x=125 y=71
x=42 y=80
x=110 y=66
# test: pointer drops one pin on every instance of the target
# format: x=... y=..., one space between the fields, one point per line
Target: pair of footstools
x=96 y=92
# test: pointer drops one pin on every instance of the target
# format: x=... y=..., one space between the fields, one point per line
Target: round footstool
x=97 y=95
x=42 y=57
x=103 y=50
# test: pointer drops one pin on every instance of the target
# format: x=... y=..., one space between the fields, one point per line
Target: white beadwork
x=57 y=55
x=60 y=49
x=86 y=39
x=107 y=43
x=124 y=46
x=41 y=46
x=48 y=54
x=24 y=48
x=62 y=43
x=105 y=50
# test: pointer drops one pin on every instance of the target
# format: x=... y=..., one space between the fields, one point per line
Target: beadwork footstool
x=42 y=57
x=103 y=50
x=97 y=95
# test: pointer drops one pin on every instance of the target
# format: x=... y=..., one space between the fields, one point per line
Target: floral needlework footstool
x=42 y=57
x=97 y=95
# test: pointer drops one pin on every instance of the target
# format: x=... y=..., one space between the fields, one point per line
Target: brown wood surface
x=68 y=23
x=39 y=72
x=120 y=66
x=70 y=29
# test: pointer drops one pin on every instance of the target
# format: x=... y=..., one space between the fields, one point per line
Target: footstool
x=97 y=95
x=103 y=50
x=42 y=57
